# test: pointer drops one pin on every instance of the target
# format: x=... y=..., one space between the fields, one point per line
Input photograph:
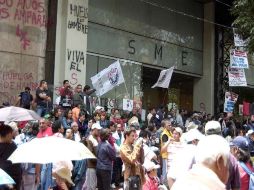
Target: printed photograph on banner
x=238 y=39
x=127 y=105
x=230 y=101
x=238 y=59
x=236 y=77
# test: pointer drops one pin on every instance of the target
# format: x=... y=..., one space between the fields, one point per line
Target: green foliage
x=243 y=10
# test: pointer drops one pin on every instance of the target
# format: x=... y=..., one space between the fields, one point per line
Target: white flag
x=108 y=78
x=164 y=78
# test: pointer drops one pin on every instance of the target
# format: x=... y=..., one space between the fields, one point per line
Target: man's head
x=43 y=124
x=239 y=147
x=104 y=134
x=112 y=127
x=129 y=136
x=213 y=152
x=27 y=89
x=119 y=128
x=82 y=116
x=86 y=88
x=69 y=134
x=96 y=129
x=6 y=133
x=43 y=84
x=212 y=128
x=66 y=83
x=79 y=88
x=166 y=124
x=152 y=111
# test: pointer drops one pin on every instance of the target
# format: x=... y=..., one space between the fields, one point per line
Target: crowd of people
x=172 y=149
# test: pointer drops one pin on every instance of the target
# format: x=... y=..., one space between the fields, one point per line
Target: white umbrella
x=50 y=150
x=5 y=179
x=13 y=113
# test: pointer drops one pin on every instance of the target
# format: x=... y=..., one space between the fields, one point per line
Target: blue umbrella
x=5 y=178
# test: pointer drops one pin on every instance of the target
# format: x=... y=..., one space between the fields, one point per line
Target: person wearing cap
x=250 y=138
x=214 y=128
x=92 y=144
x=166 y=135
x=152 y=180
x=184 y=159
x=240 y=149
x=105 y=156
x=211 y=170
x=172 y=146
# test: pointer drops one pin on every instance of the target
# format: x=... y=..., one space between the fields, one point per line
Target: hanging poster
x=127 y=104
x=238 y=59
x=236 y=77
x=230 y=100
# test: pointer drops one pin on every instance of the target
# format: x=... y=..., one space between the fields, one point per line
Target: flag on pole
x=108 y=78
x=164 y=78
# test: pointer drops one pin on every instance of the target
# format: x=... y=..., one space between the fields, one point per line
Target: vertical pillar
x=203 y=92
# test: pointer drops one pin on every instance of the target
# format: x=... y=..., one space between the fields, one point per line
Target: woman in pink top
x=152 y=181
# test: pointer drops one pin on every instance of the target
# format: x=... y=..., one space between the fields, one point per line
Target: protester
x=240 y=149
x=83 y=124
x=103 y=120
x=75 y=112
x=43 y=99
x=76 y=134
x=132 y=156
x=66 y=95
x=92 y=144
x=25 y=99
x=67 y=119
x=7 y=147
x=211 y=169
x=44 y=129
x=87 y=92
x=152 y=181
x=165 y=137
x=105 y=157
x=78 y=97
x=57 y=129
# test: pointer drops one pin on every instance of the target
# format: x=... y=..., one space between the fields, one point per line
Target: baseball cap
x=96 y=126
x=149 y=165
x=250 y=132
x=192 y=135
x=99 y=108
x=212 y=127
x=240 y=142
x=192 y=125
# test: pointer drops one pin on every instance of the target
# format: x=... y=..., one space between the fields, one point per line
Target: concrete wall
x=203 y=94
x=23 y=33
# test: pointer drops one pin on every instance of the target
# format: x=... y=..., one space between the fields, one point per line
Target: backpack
x=250 y=173
x=25 y=99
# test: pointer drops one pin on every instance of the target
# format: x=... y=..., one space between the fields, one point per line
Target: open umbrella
x=5 y=179
x=50 y=150
x=13 y=113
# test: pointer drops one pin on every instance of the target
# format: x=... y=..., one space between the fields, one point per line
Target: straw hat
x=65 y=174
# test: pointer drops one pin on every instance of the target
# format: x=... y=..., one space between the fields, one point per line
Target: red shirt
x=244 y=177
x=151 y=183
x=46 y=133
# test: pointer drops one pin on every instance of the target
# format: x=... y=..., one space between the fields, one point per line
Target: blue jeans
x=46 y=177
x=164 y=171
x=41 y=111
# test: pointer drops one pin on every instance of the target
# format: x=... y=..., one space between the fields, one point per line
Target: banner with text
x=108 y=78
x=238 y=59
x=230 y=100
x=127 y=104
x=236 y=77
x=238 y=39
x=76 y=41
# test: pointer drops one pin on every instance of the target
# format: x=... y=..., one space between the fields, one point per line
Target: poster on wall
x=127 y=105
x=230 y=100
x=238 y=39
x=238 y=59
x=236 y=77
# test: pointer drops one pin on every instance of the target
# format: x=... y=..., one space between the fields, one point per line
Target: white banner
x=230 y=100
x=236 y=77
x=164 y=78
x=108 y=78
x=238 y=59
x=127 y=105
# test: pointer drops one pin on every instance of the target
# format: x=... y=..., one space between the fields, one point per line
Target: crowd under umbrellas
x=158 y=155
